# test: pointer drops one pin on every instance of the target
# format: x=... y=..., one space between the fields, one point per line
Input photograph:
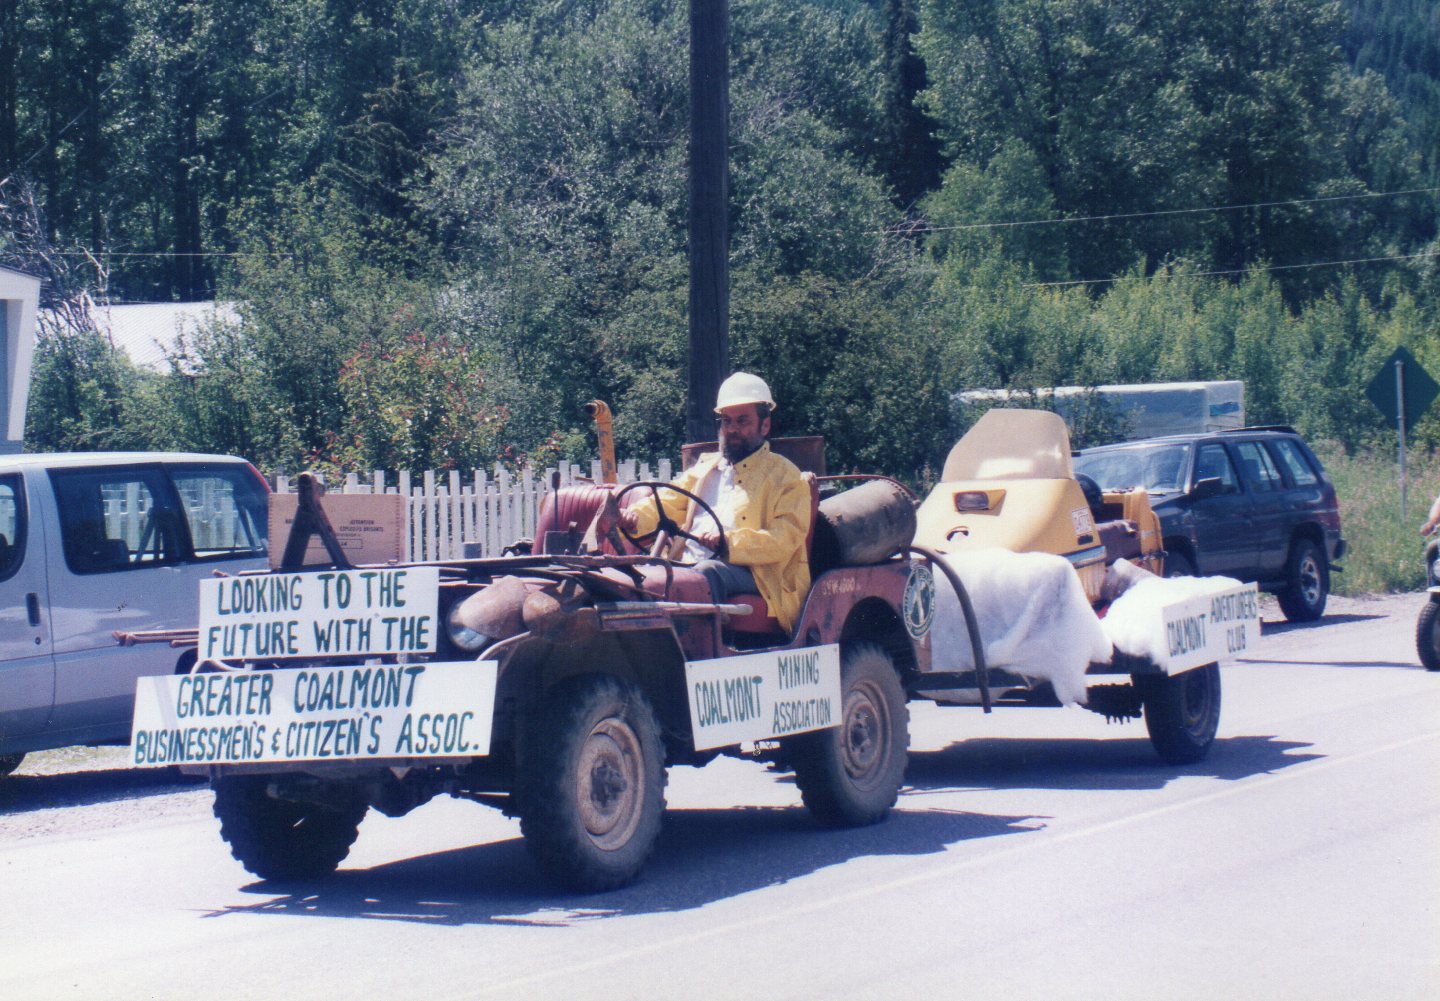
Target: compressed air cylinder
x=865 y=524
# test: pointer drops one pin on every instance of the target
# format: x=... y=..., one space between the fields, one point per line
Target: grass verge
x=1385 y=554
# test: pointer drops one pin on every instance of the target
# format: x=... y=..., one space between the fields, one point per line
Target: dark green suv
x=1253 y=504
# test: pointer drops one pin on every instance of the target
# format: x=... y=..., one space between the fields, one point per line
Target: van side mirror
x=1210 y=486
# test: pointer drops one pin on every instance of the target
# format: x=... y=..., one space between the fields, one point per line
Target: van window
x=226 y=509
x=116 y=519
x=12 y=523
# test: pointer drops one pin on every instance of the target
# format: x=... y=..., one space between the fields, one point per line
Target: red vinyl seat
x=569 y=512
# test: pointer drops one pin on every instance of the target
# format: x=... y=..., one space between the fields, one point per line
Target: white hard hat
x=742 y=388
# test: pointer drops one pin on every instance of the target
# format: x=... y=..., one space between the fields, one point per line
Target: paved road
x=1035 y=853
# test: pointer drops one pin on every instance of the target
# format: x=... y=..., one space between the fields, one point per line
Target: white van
x=92 y=543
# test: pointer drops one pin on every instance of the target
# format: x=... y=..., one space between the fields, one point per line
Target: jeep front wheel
x=285 y=839
x=850 y=775
x=592 y=783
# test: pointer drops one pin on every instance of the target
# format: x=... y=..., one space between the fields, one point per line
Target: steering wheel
x=667 y=527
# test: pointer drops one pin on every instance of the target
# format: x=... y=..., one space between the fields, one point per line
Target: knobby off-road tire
x=1307 y=574
x=9 y=762
x=850 y=775
x=1427 y=636
x=592 y=783
x=281 y=839
x=1182 y=713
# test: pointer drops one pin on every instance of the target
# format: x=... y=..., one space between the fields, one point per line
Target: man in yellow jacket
x=760 y=498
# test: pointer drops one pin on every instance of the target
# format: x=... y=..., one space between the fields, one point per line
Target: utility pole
x=709 y=213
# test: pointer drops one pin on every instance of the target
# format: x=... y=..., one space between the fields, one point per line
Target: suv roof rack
x=1286 y=428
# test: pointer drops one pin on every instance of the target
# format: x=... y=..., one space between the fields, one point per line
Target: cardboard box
x=370 y=527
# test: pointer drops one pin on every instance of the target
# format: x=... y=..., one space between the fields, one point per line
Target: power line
x=169 y=254
x=1163 y=212
x=1235 y=271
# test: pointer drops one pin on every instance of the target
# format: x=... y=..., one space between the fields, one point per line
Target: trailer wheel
x=1427 y=636
x=9 y=762
x=850 y=775
x=592 y=783
x=282 y=839
x=1182 y=713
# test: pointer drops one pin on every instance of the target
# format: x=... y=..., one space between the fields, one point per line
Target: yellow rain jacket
x=772 y=519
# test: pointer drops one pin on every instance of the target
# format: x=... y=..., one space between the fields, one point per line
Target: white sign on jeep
x=435 y=710
x=337 y=612
x=764 y=695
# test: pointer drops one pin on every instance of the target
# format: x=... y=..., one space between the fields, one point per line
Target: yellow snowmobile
x=1008 y=484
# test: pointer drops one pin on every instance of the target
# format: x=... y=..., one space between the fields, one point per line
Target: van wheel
x=1307 y=576
x=283 y=839
x=850 y=775
x=1182 y=712
x=1177 y=564
x=592 y=783
x=9 y=762
x=1427 y=636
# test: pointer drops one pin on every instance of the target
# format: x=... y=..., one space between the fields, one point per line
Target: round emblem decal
x=919 y=600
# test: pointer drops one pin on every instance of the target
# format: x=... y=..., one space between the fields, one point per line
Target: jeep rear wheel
x=850 y=775
x=1182 y=712
x=1307 y=575
x=592 y=783
x=284 y=839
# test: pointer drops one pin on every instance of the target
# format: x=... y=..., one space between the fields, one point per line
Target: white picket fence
x=445 y=512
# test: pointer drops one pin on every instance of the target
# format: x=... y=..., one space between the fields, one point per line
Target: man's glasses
x=743 y=423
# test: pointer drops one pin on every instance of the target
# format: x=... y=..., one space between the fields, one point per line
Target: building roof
x=146 y=331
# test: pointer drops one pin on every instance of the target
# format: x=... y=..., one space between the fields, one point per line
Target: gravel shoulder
x=89 y=790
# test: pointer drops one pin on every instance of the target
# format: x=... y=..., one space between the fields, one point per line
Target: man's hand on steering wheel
x=714 y=540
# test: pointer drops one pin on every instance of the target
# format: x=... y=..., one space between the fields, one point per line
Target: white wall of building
x=19 y=297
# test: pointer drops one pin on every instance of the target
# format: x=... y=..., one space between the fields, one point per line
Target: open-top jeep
x=556 y=685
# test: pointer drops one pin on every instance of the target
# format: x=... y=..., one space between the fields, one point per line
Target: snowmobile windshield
x=1012 y=445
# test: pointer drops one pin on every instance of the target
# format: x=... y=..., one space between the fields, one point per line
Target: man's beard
x=739 y=451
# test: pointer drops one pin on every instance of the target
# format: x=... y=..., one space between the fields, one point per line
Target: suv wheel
x=1307 y=576
x=1177 y=564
